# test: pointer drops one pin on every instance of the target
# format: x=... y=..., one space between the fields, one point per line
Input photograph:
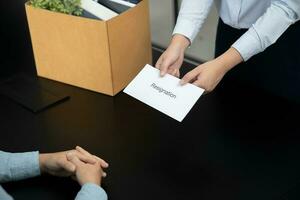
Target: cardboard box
x=102 y=56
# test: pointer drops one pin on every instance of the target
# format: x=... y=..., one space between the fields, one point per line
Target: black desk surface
x=236 y=143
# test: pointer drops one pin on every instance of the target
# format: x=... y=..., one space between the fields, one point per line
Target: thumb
x=189 y=76
x=158 y=63
x=166 y=63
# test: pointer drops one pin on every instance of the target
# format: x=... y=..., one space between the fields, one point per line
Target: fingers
x=69 y=166
x=74 y=159
x=159 y=62
x=177 y=74
x=86 y=159
x=170 y=60
x=189 y=77
x=161 y=65
x=103 y=163
x=198 y=83
x=173 y=72
x=201 y=84
x=177 y=63
x=85 y=156
x=78 y=163
x=82 y=157
x=81 y=150
x=164 y=67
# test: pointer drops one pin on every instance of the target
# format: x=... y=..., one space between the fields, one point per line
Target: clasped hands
x=78 y=164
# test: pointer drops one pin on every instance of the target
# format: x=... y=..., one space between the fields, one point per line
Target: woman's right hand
x=171 y=60
x=86 y=172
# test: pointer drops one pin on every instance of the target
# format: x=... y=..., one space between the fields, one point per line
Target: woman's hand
x=206 y=76
x=57 y=164
x=171 y=60
x=209 y=74
x=86 y=172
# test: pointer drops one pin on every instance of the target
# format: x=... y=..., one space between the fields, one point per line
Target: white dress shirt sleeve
x=191 y=17
x=268 y=28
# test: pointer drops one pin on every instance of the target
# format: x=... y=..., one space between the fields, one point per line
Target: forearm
x=229 y=59
x=18 y=166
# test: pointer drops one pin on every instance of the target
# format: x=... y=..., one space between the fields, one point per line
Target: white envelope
x=164 y=93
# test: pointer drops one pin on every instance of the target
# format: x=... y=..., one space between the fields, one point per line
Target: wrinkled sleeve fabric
x=18 y=166
x=91 y=191
x=268 y=28
x=191 y=17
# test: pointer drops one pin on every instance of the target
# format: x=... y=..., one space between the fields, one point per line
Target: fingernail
x=104 y=164
x=181 y=82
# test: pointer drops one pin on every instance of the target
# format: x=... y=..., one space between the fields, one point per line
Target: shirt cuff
x=248 y=44
x=186 y=28
x=91 y=191
x=24 y=165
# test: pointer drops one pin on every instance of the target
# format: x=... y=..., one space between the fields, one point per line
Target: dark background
x=15 y=45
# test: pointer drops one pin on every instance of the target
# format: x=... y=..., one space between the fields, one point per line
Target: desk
x=237 y=143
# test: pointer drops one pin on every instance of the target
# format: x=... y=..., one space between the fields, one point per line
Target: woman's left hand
x=209 y=74
x=206 y=76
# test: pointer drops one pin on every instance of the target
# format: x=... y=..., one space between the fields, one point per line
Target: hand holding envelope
x=164 y=93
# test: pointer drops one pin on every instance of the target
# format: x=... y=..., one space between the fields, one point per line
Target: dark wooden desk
x=237 y=143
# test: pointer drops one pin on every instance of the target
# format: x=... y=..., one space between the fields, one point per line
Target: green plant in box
x=71 y=7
